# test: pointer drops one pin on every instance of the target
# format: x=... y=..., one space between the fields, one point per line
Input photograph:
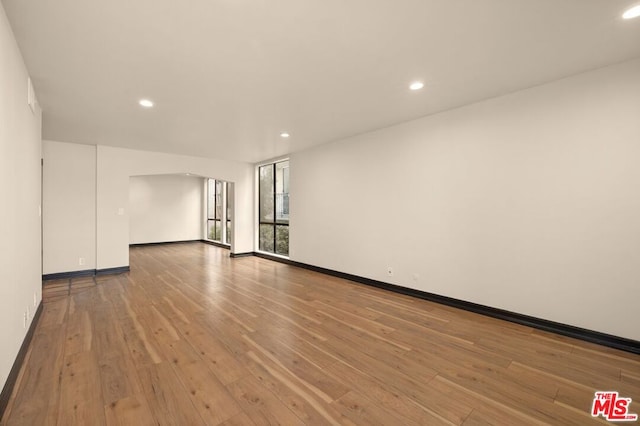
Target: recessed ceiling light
x=145 y=103
x=634 y=12
x=284 y=135
x=416 y=85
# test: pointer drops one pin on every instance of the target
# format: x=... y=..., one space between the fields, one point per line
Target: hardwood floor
x=193 y=337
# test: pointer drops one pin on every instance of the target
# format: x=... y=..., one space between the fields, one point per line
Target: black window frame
x=216 y=220
x=275 y=223
x=227 y=235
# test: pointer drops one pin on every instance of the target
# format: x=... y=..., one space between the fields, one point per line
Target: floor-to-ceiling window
x=273 y=209
x=228 y=210
x=218 y=212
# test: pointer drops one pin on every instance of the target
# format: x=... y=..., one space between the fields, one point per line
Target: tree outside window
x=273 y=226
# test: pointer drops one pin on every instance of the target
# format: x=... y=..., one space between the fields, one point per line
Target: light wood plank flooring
x=193 y=337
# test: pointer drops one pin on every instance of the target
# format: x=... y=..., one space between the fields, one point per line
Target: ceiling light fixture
x=416 y=85
x=634 y=12
x=284 y=135
x=145 y=103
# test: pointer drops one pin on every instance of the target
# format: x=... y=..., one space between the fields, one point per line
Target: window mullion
x=275 y=207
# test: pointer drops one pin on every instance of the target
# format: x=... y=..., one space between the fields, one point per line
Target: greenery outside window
x=228 y=212
x=273 y=208
x=215 y=190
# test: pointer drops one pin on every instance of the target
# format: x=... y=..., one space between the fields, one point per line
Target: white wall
x=112 y=168
x=528 y=202
x=69 y=207
x=116 y=165
x=165 y=208
x=20 y=153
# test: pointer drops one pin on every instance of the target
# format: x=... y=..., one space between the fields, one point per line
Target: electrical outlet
x=389 y=271
x=81 y=261
x=25 y=320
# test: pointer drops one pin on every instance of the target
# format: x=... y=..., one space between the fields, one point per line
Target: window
x=273 y=210
x=216 y=196
x=228 y=210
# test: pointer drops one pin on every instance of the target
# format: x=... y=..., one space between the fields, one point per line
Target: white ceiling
x=228 y=76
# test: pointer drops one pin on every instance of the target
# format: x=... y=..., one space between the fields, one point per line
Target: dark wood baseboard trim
x=70 y=274
x=597 y=337
x=278 y=259
x=217 y=244
x=247 y=254
x=7 y=390
x=161 y=243
x=112 y=271
x=85 y=273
